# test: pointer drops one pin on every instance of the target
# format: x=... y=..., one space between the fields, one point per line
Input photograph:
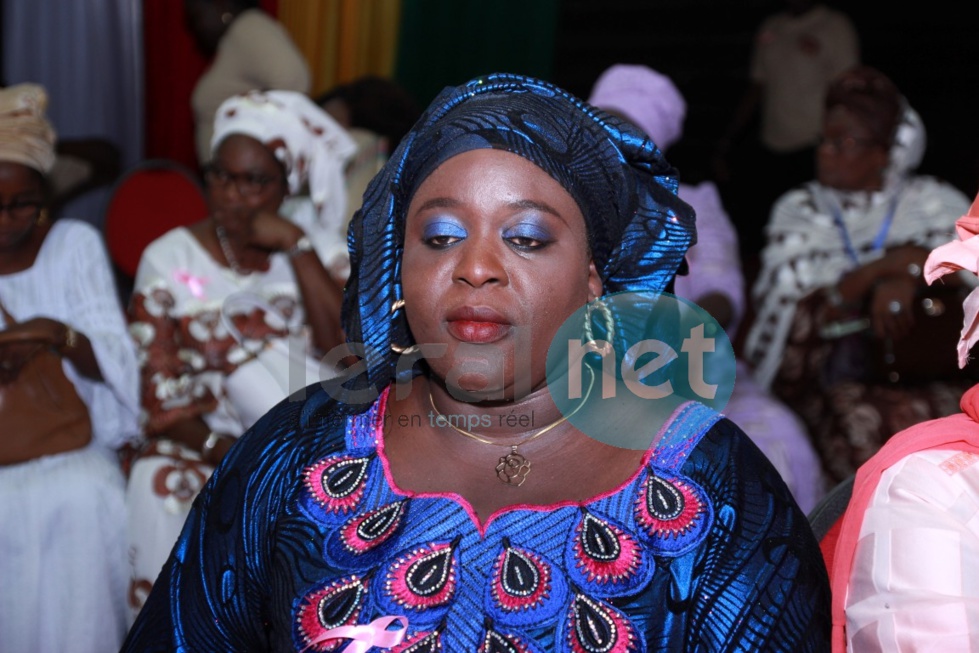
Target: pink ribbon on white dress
x=194 y=283
x=961 y=254
x=364 y=637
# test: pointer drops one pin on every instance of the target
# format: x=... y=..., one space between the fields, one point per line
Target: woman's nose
x=480 y=263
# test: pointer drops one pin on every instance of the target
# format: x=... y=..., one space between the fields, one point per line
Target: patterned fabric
x=849 y=419
x=302 y=529
x=191 y=363
x=638 y=230
x=805 y=251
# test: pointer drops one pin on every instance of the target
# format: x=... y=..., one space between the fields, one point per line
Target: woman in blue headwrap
x=400 y=510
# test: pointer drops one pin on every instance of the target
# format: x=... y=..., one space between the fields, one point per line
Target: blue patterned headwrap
x=638 y=229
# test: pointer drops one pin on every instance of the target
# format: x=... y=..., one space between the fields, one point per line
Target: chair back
x=826 y=519
x=150 y=199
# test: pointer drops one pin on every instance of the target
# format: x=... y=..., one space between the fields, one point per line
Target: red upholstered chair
x=149 y=200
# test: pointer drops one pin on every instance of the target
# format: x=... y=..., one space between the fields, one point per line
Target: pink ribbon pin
x=363 y=638
x=194 y=283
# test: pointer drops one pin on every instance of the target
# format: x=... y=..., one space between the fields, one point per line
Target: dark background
x=928 y=49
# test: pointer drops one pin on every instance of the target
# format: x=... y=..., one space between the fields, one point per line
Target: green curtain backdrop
x=447 y=42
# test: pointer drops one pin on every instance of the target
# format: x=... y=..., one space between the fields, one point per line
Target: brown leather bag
x=40 y=410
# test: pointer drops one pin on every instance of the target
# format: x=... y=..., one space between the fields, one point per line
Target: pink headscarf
x=961 y=254
x=645 y=97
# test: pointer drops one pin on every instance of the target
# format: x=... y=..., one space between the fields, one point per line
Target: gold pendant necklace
x=514 y=467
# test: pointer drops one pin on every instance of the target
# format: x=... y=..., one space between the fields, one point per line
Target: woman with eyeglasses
x=226 y=312
x=840 y=297
x=68 y=402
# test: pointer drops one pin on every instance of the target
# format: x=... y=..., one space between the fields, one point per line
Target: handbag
x=40 y=410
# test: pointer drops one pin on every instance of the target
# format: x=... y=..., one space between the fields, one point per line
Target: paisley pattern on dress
x=422 y=582
x=602 y=557
x=673 y=513
x=592 y=626
x=336 y=484
x=338 y=604
x=524 y=588
x=588 y=578
x=495 y=641
x=422 y=642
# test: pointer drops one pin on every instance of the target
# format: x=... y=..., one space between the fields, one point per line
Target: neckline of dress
x=379 y=410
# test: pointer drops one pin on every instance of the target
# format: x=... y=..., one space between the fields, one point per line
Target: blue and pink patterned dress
x=302 y=530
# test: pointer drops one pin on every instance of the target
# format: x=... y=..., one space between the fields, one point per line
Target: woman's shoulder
x=294 y=434
x=179 y=242
x=73 y=232
x=935 y=192
x=71 y=240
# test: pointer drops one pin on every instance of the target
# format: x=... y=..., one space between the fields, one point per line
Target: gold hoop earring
x=606 y=314
x=398 y=349
x=42 y=218
x=397 y=305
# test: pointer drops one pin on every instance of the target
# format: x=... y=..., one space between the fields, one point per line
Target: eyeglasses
x=248 y=184
x=22 y=210
x=846 y=143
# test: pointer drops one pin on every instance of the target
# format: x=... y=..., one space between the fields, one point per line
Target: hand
x=44 y=329
x=273 y=232
x=891 y=307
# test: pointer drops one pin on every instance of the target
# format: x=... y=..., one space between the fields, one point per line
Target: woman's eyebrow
x=448 y=202
x=438 y=203
x=537 y=206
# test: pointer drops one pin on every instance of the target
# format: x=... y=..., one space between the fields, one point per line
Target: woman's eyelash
x=443 y=232
x=528 y=235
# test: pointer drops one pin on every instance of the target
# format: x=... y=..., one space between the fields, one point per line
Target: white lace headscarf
x=311 y=145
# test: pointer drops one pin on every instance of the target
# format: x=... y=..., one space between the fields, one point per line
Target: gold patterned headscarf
x=26 y=137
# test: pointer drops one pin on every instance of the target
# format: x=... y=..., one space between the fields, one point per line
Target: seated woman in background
x=63 y=566
x=909 y=540
x=845 y=253
x=715 y=282
x=210 y=299
x=377 y=112
x=509 y=208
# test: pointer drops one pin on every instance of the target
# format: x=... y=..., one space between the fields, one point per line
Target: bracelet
x=303 y=245
x=209 y=445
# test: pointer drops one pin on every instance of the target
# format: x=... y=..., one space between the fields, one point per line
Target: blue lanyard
x=878 y=240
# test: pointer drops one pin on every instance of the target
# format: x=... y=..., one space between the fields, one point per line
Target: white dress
x=63 y=567
x=193 y=366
